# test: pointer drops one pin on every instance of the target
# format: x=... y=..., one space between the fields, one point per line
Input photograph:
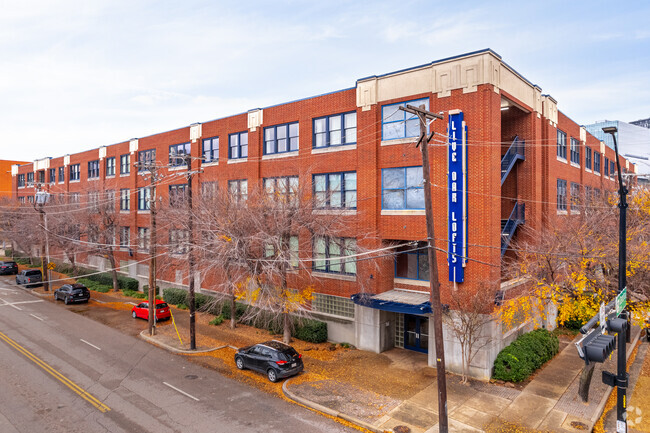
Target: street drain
x=191 y=376
x=578 y=425
x=401 y=429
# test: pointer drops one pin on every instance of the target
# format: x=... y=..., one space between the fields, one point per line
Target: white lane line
x=20 y=302
x=182 y=392
x=36 y=317
x=90 y=344
x=11 y=305
x=132 y=303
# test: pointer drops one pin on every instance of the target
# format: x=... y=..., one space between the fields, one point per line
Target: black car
x=8 y=268
x=277 y=360
x=72 y=293
x=30 y=278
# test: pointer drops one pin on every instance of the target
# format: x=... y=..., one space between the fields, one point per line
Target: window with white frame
x=146 y=159
x=177 y=195
x=606 y=164
x=575 y=151
x=21 y=180
x=335 y=190
x=30 y=178
x=561 y=194
x=588 y=157
x=397 y=123
x=281 y=138
x=561 y=144
x=238 y=145
x=21 y=200
x=144 y=198
x=30 y=199
x=110 y=200
x=73 y=198
x=596 y=162
x=41 y=176
x=93 y=201
x=93 y=169
x=178 y=154
x=283 y=188
x=125 y=199
x=52 y=175
x=125 y=164
x=110 y=166
x=334 y=305
x=238 y=189
x=209 y=189
x=575 y=196
x=402 y=188
x=335 y=130
x=75 y=172
x=293 y=246
x=328 y=253
x=179 y=241
x=211 y=149
x=125 y=237
x=144 y=238
x=61 y=174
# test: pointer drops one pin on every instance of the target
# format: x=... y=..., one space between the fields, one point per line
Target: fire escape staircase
x=516 y=152
x=509 y=226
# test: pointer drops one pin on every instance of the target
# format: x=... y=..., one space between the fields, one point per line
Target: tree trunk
x=286 y=336
x=111 y=259
x=585 y=381
x=233 y=312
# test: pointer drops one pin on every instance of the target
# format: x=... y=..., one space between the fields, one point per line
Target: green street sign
x=621 y=301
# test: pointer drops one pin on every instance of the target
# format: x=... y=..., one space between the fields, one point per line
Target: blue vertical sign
x=457 y=196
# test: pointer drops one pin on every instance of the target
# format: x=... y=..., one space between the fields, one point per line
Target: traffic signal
x=599 y=349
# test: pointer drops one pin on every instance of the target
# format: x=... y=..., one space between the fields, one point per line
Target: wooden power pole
x=190 y=254
x=434 y=282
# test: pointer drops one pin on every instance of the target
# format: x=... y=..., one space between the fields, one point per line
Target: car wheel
x=135 y=316
x=272 y=375
x=66 y=300
x=239 y=362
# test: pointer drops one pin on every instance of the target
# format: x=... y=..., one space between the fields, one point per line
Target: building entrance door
x=416 y=333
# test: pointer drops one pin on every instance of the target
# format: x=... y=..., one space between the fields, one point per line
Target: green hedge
x=525 y=355
x=94 y=285
x=313 y=331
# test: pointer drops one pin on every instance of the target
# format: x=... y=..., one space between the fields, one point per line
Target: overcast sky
x=76 y=75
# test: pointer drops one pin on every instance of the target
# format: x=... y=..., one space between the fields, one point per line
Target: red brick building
x=524 y=161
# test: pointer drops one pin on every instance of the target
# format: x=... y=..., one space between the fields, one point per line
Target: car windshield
x=161 y=305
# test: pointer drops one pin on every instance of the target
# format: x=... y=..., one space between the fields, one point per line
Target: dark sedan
x=273 y=358
x=8 y=268
x=72 y=293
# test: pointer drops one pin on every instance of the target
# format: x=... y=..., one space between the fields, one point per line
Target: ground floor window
x=335 y=305
x=399 y=330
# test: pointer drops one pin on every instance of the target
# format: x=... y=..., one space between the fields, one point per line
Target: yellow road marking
x=60 y=377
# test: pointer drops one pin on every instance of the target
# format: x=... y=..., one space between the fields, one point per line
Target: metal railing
x=516 y=152
x=509 y=226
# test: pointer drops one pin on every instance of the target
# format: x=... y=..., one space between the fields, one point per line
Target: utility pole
x=40 y=199
x=190 y=253
x=153 y=180
x=434 y=282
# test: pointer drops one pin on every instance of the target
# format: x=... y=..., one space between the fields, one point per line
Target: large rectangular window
x=283 y=188
x=402 y=188
x=144 y=238
x=209 y=189
x=75 y=171
x=73 y=198
x=93 y=169
x=30 y=178
x=21 y=180
x=110 y=200
x=125 y=164
x=561 y=144
x=612 y=168
x=177 y=195
x=328 y=253
x=238 y=189
x=61 y=174
x=596 y=162
x=144 y=198
x=575 y=197
x=110 y=166
x=146 y=159
x=294 y=262
x=412 y=262
x=575 y=151
x=211 y=149
x=334 y=305
x=125 y=237
x=125 y=199
x=336 y=130
x=335 y=190
x=396 y=123
x=606 y=166
x=179 y=241
x=561 y=194
x=281 y=138
x=52 y=175
x=238 y=145
x=588 y=158
x=93 y=201
x=178 y=154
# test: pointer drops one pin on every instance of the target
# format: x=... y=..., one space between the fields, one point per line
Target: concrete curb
x=327 y=410
x=155 y=342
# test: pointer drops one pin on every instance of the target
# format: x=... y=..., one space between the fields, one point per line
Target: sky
x=76 y=75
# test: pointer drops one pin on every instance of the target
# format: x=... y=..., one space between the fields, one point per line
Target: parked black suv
x=277 y=360
x=30 y=278
x=8 y=268
x=72 y=293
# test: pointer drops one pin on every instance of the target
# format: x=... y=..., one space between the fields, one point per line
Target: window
x=30 y=178
x=21 y=200
x=596 y=162
x=110 y=166
x=209 y=189
x=575 y=197
x=561 y=144
x=146 y=159
x=402 y=188
x=328 y=252
x=178 y=241
x=21 y=180
x=330 y=304
x=612 y=168
x=285 y=188
x=335 y=130
x=125 y=237
x=41 y=176
x=561 y=194
x=74 y=172
x=281 y=138
x=412 y=262
x=238 y=189
x=396 y=123
x=606 y=166
x=125 y=164
x=294 y=262
x=238 y=145
x=588 y=157
x=178 y=153
x=144 y=198
x=52 y=175
x=93 y=201
x=125 y=199
x=93 y=169
x=30 y=199
x=335 y=190
x=575 y=151
x=61 y=174
x=177 y=195
x=211 y=149
x=144 y=238
x=110 y=200
x=73 y=197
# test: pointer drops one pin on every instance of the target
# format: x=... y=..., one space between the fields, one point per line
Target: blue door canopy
x=396 y=301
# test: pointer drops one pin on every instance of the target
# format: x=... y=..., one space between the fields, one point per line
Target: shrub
x=525 y=355
x=313 y=331
x=182 y=307
x=145 y=289
x=174 y=296
x=134 y=294
x=94 y=285
x=217 y=320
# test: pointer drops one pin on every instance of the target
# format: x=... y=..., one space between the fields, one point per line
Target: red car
x=142 y=310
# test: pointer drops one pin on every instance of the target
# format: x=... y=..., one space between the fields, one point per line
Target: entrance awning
x=397 y=301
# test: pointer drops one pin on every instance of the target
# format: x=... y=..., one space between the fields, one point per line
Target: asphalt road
x=63 y=372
